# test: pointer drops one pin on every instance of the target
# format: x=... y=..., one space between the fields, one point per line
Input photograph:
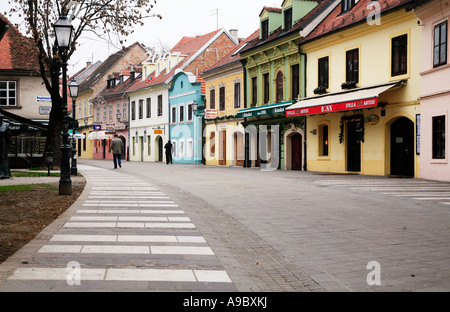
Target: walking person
x=117 y=148
x=168 y=148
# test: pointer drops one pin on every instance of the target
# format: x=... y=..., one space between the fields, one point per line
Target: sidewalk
x=116 y=237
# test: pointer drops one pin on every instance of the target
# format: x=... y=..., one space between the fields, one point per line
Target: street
x=243 y=229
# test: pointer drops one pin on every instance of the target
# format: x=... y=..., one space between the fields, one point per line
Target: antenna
x=217 y=16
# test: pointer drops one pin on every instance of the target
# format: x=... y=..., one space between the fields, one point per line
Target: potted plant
x=348 y=85
x=320 y=90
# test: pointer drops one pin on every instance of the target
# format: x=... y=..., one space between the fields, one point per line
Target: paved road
x=272 y=231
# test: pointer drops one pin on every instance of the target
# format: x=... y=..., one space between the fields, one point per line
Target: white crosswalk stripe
x=415 y=189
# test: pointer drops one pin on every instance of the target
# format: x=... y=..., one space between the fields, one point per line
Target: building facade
x=364 y=69
x=435 y=91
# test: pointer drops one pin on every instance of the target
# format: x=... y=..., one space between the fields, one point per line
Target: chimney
x=234 y=34
x=88 y=64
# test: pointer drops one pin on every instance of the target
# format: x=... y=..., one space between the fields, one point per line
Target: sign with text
x=210 y=113
x=336 y=107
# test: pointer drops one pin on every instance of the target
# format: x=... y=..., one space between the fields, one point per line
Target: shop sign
x=45 y=110
x=329 y=108
x=158 y=131
x=97 y=127
x=263 y=112
x=210 y=113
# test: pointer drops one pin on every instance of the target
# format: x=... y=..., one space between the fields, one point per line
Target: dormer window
x=265 y=29
x=347 y=5
x=287 y=19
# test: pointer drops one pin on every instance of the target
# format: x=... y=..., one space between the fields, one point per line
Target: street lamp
x=73 y=90
x=63 y=31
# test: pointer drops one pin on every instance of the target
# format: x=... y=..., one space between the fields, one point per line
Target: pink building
x=435 y=93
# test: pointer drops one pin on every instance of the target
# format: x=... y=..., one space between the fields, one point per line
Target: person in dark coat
x=168 y=148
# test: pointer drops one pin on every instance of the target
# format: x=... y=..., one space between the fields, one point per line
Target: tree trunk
x=55 y=125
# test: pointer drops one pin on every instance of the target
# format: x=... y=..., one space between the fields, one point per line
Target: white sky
x=180 y=18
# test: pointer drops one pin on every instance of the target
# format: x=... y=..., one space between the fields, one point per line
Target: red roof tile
x=336 y=21
x=16 y=51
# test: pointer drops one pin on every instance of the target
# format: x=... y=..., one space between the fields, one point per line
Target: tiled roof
x=336 y=21
x=103 y=69
x=17 y=53
x=271 y=9
x=233 y=55
x=280 y=33
x=188 y=47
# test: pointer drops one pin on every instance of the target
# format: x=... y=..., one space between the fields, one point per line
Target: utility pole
x=217 y=17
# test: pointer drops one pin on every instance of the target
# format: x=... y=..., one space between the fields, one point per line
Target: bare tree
x=105 y=17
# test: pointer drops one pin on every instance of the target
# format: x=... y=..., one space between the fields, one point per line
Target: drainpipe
x=303 y=59
x=246 y=135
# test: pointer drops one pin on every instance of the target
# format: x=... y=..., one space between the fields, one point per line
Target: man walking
x=117 y=148
x=168 y=148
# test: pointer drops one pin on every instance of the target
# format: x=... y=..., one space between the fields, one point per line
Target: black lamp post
x=73 y=89
x=63 y=31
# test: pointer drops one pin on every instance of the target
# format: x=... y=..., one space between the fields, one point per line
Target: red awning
x=341 y=101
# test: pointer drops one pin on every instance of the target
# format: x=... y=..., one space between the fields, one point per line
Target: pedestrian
x=117 y=148
x=168 y=148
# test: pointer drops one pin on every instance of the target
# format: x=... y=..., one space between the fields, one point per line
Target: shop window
x=439 y=137
x=279 y=84
x=399 y=55
x=323 y=140
x=352 y=65
x=440 y=44
x=324 y=72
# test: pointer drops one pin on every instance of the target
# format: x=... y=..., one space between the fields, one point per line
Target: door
x=79 y=147
x=402 y=147
x=104 y=148
x=353 y=146
x=141 y=148
x=223 y=147
x=160 y=149
x=296 y=148
x=239 y=148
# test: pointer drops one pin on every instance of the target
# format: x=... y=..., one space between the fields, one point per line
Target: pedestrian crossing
x=125 y=231
x=421 y=190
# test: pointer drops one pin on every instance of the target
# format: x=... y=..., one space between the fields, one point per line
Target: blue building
x=186 y=131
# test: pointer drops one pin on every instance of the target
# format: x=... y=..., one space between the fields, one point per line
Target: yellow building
x=223 y=131
x=363 y=64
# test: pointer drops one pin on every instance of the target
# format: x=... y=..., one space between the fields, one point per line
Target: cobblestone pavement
x=289 y=230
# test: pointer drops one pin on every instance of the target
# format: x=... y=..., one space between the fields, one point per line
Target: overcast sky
x=180 y=18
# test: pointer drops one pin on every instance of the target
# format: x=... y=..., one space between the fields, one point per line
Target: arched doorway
x=296 y=152
x=402 y=147
x=124 y=146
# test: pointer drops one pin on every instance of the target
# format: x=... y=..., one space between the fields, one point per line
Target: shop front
x=361 y=131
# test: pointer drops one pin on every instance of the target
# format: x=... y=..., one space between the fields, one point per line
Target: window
x=90 y=107
x=181 y=113
x=110 y=112
x=104 y=112
x=190 y=113
x=237 y=95
x=124 y=109
x=323 y=72
x=174 y=114
x=8 y=92
x=264 y=29
x=160 y=105
x=84 y=108
x=279 y=84
x=79 y=109
x=352 y=65
x=190 y=148
x=323 y=140
x=439 y=137
x=181 y=148
x=254 y=91
x=288 y=19
x=212 y=98
x=399 y=55
x=149 y=108
x=97 y=118
x=222 y=98
x=133 y=110
x=440 y=44
x=266 y=88
x=295 y=69
x=141 y=109
x=347 y=5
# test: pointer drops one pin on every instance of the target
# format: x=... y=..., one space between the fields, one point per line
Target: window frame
x=352 y=74
x=148 y=107
x=279 y=84
x=160 y=105
x=264 y=29
x=222 y=98
x=347 y=5
x=401 y=52
x=322 y=72
x=212 y=98
x=438 y=151
x=266 y=88
x=7 y=89
x=237 y=94
x=287 y=19
x=295 y=81
x=439 y=44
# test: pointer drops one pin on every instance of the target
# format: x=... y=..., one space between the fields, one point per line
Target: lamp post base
x=65 y=187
